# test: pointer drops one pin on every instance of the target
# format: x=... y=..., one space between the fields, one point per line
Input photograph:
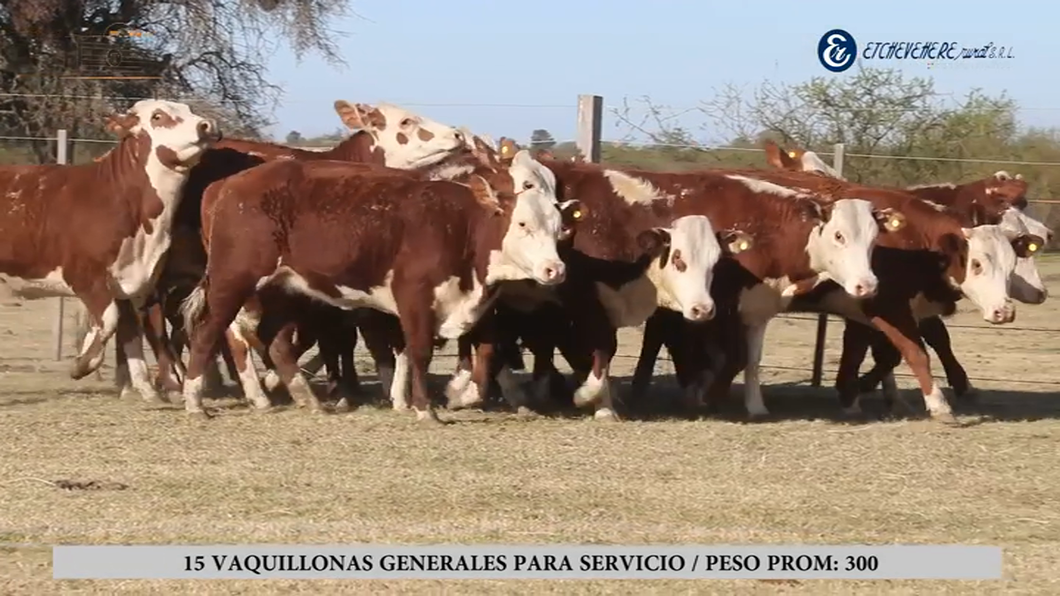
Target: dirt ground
x=376 y=476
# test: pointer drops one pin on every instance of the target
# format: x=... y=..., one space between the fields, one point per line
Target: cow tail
x=193 y=309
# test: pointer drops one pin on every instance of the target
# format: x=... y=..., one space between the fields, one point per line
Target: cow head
x=528 y=246
x=408 y=141
x=987 y=258
x=842 y=247
x=178 y=135
x=798 y=160
x=1027 y=284
x=683 y=260
x=1002 y=187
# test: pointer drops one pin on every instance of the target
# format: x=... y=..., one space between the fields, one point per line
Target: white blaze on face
x=811 y=162
x=991 y=261
x=843 y=247
x=409 y=140
x=683 y=279
x=528 y=248
x=1027 y=285
x=173 y=126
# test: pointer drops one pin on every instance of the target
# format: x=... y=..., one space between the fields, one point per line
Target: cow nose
x=701 y=312
x=1006 y=314
x=554 y=274
x=864 y=290
x=208 y=130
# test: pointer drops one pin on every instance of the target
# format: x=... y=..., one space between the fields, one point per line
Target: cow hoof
x=79 y=371
x=525 y=412
x=175 y=397
x=269 y=409
x=199 y=415
x=946 y=418
x=470 y=398
x=427 y=417
x=343 y=406
x=400 y=406
x=606 y=415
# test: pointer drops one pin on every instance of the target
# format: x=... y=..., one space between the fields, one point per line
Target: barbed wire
x=623 y=107
x=697 y=147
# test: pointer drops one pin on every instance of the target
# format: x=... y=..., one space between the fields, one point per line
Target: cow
x=781 y=221
x=937 y=258
x=384 y=134
x=99 y=231
x=432 y=252
x=999 y=198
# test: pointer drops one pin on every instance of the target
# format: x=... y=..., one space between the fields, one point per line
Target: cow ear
x=951 y=243
x=654 y=242
x=1027 y=245
x=889 y=219
x=570 y=213
x=734 y=242
x=485 y=154
x=773 y=155
x=483 y=192
x=121 y=125
x=355 y=117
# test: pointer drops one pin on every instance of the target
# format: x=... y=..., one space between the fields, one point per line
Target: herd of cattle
x=411 y=232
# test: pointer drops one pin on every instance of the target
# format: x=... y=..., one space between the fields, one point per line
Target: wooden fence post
x=590 y=120
x=822 y=320
x=62 y=156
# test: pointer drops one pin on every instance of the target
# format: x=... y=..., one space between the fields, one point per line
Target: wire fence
x=16 y=149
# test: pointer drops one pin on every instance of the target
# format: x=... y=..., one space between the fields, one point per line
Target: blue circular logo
x=837 y=50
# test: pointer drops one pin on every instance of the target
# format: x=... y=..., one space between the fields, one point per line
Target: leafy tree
x=542 y=139
x=294 y=137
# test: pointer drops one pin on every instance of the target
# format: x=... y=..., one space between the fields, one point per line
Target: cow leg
x=154 y=326
x=596 y=389
x=460 y=382
x=934 y=332
x=383 y=339
x=756 y=339
x=417 y=324
x=104 y=314
x=650 y=346
x=281 y=350
x=130 y=336
x=856 y=341
x=902 y=330
x=121 y=369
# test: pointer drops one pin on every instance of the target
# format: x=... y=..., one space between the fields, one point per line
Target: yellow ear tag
x=743 y=245
x=504 y=150
x=894 y=222
x=577 y=214
x=1032 y=247
x=791 y=154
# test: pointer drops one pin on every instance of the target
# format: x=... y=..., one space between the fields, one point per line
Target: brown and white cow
x=384 y=134
x=99 y=231
x=924 y=269
x=782 y=222
x=997 y=199
x=432 y=252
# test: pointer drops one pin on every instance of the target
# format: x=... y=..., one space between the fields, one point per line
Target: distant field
x=375 y=475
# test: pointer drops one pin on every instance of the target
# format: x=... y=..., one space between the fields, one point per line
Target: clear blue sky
x=434 y=56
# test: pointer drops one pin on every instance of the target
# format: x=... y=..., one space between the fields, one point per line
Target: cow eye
x=406 y=122
x=528 y=185
x=977 y=267
x=839 y=237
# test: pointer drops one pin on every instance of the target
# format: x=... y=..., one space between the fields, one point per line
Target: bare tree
x=209 y=51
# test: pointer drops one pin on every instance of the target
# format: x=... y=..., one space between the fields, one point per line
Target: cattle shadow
x=788 y=401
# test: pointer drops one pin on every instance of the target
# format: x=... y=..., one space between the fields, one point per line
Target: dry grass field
x=376 y=476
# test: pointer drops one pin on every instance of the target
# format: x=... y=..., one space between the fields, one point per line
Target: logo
x=837 y=50
x=120 y=53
